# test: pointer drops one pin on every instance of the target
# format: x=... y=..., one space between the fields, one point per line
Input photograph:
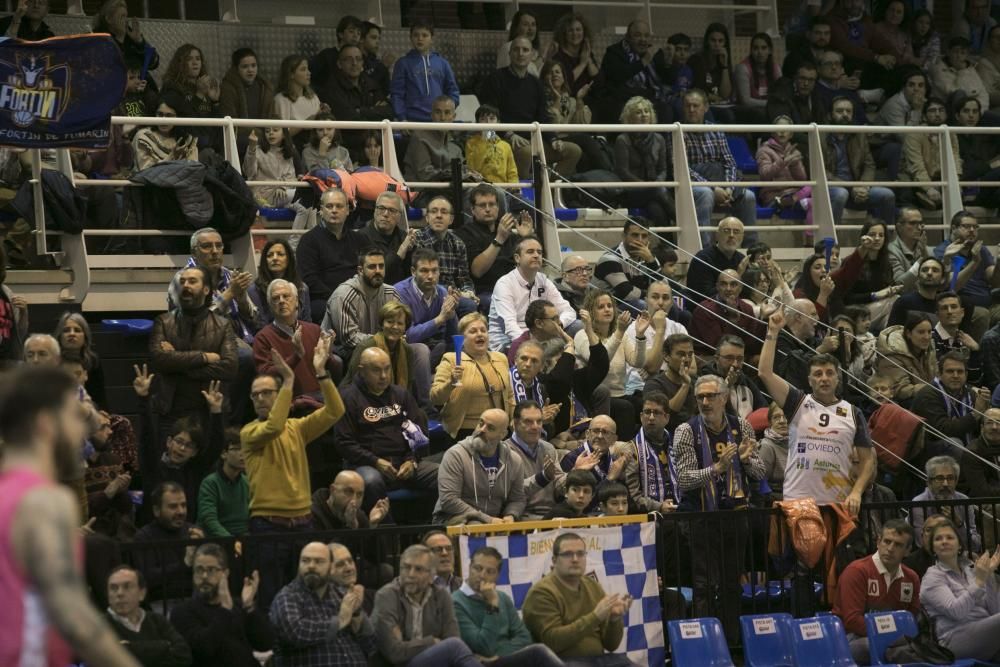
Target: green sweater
x=489 y=634
x=224 y=505
x=564 y=620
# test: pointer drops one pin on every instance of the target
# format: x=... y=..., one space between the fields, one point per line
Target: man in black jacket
x=371 y=434
x=390 y=230
x=797 y=341
x=147 y=635
x=949 y=405
x=327 y=255
x=634 y=67
x=352 y=95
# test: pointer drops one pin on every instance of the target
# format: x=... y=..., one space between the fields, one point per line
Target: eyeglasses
x=385 y=210
x=943 y=478
x=254 y=395
x=206 y=571
x=571 y=555
x=708 y=396
x=581 y=271
x=184 y=444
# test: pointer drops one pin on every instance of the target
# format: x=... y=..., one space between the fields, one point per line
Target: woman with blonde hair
x=642 y=156
x=480 y=381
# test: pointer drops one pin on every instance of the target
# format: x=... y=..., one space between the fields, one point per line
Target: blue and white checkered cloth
x=621 y=558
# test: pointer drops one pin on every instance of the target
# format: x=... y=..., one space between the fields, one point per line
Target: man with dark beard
x=191 y=346
x=219 y=631
x=315 y=623
x=352 y=311
x=40 y=576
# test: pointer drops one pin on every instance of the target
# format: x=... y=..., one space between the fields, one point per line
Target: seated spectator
x=960 y=597
x=315 y=622
x=909 y=247
x=853 y=33
x=466 y=390
x=950 y=405
x=353 y=309
x=432 y=305
x=931 y=281
x=726 y=314
x=224 y=497
x=926 y=41
x=328 y=253
x=774 y=449
x=277 y=260
x=988 y=67
x=906 y=355
x=682 y=75
x=295 y=99
x=435 y=641
x=906 y=109
x=444 y=565
x=573 y=47
x=191 y=346
x=974 y=24
x=543 y=368
x=964 y=242
x=487 y=154
x=219 y=630
x=481 y=461
x=324 y=150
x=797 y=96
x=977 y=151
x=293 y=339
x=649 y=476
x=520 y=98
x=580 y=493
x=244 y=92
x=942 y=477
x=410 y=368
x=154 y=144
x=488 y=621
x=810 y=50
x=779 y=159
x=339 y=507
x=275 y=450
x=227 y=287
x=950 y=337
x=75 y=341
x=429 y=153
x=453 y=259
x=567 y=109
x=680 y=368
x=27 y=22
x=421 y=77
x=706 y=265
x=848 y=157
x=870 y=270
x=193 y=93
x=574 y=283
x=515 y=290
x=522 y=24
x=957 y=72
x=147 y=635
x=13 y=319
x=753 y=78
x=981 y=479
x=140 y=100
x=555 y=605
x=596 y=449
x=354 y=94
x=642 y=156
x=373 y=150
x=276 y=160
x=374 y=437
x=891 y=37
x=635 y=67
x=711 y=73
x=709 y=159
x=922 y=557
x=112 y=18
x=389 y=229
x=744 y=393
x=863 y=590
x=490 y=240
x=543 y=479
x=166 y=568
x=324 y=64
x=107 y=482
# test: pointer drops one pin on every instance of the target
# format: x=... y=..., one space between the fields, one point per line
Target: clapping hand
x=213 y=396
x=624 y=319
x=549 y=411
x=249 y=594
x=549 y=468
x=321 y=355
x=747 y=448
x=143 y=380
x=642 y=322
x=379 y=511
x=286 y=373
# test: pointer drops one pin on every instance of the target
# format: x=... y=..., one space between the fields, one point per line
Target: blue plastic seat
x=821 y=642
x=277 y=214
x=698 y=642
x=885 y=627
x=398 y=495
x=767 y=640
x=129 y=327
x=741 y=153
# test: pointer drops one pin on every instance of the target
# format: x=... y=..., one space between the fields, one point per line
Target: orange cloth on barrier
x=801 y=529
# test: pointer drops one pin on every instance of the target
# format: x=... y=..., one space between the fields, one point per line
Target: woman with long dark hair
x=753 y=78
x=244 y=92
x=924 y=40
x=189 y=88
x=277 y=260
x=815 y=284
x=906 y=355
x=154 y=144
x=711 y=70
x=872 y=282
x=572 y=47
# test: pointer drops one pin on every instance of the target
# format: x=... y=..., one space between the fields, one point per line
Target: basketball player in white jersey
x=822 y=430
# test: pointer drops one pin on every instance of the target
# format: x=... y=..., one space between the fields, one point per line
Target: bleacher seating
x=820 y=642
x=698 y=642
x=767 y=640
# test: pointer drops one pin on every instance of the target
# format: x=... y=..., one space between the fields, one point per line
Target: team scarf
x=732 y=482
x=602 y=473
x=651 y=469
x=521 y=390
x=956 y=408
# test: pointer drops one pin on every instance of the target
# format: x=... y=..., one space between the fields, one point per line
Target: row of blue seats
x=778 y=640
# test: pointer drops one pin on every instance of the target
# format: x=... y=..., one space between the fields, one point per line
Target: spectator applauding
x=572 y=47
x=339 y=507
x=421 y=77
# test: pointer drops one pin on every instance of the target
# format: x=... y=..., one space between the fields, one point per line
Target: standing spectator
x=957 y=72
x=353 y=94
x=712 y=72
x=376 y=437
x=13 y=318
x=905 y=108
x=244 y=92
x=649 y=475
x=572 y=47
x=353 y=309
x=276 y=160
x=489 y=622
x=522 y=24
x=324 y=150
x=295 y=99
x=974 y=25
x=314 y=622
x=277 y=466
x=487 y=154
x=642 y=156
x=219 y=630
x=324 y=63
x=942 y=478
x=415 y=620
x=28 y=21
x=709 y=159
x=224 y=498
x=753 y=78
x=147 y=635
x=328 y=253
x=490 y=240
x=420 y=77
x=277 y=260
x=556 y=605
x=375 y=68
x=906 y=355
x=870 y=270
x=926 y=40
x=113 y=18
x=453 y=257
x=848 y=157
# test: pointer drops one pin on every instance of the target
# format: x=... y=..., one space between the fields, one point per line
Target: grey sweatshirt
x=464 y=485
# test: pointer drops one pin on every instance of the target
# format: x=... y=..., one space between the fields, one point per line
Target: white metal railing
x=74 y=255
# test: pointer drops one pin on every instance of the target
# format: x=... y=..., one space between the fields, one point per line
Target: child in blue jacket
x=420 y=76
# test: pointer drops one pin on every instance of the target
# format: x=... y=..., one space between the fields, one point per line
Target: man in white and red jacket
x=879 y=582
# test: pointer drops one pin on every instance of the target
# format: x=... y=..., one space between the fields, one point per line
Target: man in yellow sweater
x=274 y=447
x=571 y=614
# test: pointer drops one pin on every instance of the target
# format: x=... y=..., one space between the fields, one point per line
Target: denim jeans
x=450 y=652
x=745 y=208
x=881 y=203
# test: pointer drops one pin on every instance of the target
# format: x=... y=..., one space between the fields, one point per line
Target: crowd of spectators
x=436 y=361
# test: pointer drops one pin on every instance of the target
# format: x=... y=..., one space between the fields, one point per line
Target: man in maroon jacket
x=879 y=582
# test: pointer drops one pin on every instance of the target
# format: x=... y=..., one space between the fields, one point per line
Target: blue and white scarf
x=651 y=464
x=523 y=392
x=732 y=484
x=956 y=408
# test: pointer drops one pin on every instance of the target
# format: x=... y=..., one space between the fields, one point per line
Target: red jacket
x=862 y=589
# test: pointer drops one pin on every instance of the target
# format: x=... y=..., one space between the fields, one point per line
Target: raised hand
x=252 y=141
x=586 y=461
x=213 y=396
x=143 y=380
x=286 y=373
x=489 y=592
x=776 y=322
x=300 y=349
x=747 y=448
x=504 y=227
x=660 y=320
x=550 y=410
x=321 y=355
x=624 y=319
x=249 y=594
x=549 y=468
x=642 y=322
x=586 y=319
x=826 y=285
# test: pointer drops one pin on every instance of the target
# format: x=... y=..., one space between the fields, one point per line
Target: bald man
x=481 y=480
x=595 y=455
x=383 y=434
x=318 y=622
x=574 y=283
x=339 y=507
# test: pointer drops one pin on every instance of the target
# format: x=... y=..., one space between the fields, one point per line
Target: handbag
x=924 y=647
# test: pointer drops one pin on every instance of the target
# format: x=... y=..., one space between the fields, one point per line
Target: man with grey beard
x=480 y=479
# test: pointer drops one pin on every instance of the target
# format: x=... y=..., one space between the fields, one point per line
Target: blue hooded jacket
x=416 y=81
